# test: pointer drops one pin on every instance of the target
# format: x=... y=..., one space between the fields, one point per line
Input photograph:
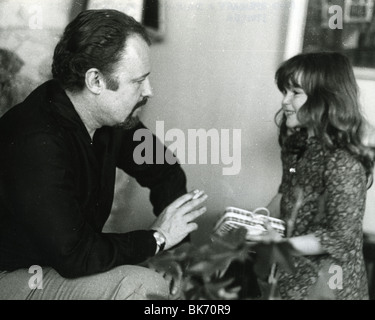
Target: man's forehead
x=135 y=57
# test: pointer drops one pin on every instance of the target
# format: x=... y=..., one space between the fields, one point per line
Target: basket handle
x=263 y=209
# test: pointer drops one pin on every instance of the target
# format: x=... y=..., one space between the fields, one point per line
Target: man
x=59 y=151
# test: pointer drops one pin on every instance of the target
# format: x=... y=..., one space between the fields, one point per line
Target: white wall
x=213 y=72
x=31 y=29
x=215 y=69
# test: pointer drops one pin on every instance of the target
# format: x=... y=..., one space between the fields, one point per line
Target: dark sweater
x=57 y=186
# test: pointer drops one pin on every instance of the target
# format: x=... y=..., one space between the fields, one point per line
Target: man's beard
x=132 y=121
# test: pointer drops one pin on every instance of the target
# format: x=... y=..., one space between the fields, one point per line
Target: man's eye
x=139 y=81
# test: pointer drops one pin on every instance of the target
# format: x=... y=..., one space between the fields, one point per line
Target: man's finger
x=184 y=199
x=191 y=216
x=191 y=205
x=192 y=226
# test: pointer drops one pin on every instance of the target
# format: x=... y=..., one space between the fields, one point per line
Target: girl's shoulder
x=342 y=160
x=331 y=159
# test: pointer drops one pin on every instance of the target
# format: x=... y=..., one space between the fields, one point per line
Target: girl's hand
x=269 y=236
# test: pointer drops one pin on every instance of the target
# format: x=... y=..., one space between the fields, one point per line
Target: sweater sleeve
x=144 y=157
x=41 y=195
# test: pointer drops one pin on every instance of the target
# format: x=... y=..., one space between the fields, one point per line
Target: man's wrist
x=160 y=240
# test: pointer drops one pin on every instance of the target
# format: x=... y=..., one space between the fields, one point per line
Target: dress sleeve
x=41 y=196
x=161 y=173
x=340 y=230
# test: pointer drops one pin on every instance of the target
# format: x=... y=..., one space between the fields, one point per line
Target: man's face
x=120 y=107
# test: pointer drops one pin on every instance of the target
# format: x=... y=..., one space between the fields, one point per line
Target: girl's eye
x=296 y=92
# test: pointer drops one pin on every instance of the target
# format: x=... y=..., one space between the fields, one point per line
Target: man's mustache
x=131 y=121
x=140 y=104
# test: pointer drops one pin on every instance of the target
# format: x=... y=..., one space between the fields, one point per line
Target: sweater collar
x=61 y=106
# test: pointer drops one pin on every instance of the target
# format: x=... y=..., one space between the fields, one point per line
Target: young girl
x=326 y=173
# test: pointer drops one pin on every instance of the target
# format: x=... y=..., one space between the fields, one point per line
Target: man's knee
x=139 y=283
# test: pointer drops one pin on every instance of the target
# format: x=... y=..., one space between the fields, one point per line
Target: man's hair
x=94 y=39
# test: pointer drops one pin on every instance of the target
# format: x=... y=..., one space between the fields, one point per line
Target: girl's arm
x=303 y=245
x=307 y=245
x=274 y=206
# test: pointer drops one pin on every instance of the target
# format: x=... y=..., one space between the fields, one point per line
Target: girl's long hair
x=332 y=109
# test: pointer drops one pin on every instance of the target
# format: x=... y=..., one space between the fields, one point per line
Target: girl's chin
x=292 y=123
x=293 y=126
x=294 y=130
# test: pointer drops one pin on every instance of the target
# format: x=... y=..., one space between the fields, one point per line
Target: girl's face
x=293 y=99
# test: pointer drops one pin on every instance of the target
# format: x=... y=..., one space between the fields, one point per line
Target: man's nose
x=147 y=89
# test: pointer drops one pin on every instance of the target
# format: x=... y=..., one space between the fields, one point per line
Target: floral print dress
x=332 y=185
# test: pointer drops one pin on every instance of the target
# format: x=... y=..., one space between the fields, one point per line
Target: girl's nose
x=286 y=98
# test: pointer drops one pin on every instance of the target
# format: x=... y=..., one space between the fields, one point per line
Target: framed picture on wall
x=354 y=11
x=309 y=30
x=325 y=5
x=151 y=13
x=358 y=11
x=132 y=8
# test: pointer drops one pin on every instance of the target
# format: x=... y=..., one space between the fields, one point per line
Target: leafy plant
x=200 y=270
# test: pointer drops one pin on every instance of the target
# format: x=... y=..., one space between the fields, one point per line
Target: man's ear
x=94 y=81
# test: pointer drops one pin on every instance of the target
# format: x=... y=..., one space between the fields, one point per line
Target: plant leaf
x=268 y=254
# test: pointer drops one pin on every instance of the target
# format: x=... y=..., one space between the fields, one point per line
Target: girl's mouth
x=288 y=113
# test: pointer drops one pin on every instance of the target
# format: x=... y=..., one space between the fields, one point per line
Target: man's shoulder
x=29 y=117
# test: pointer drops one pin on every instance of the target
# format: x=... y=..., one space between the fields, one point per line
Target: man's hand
x=176 y=222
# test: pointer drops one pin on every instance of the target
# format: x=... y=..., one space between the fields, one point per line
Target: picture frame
x=301 y=26
x=358 y=11
x=132 y=8
x=150 y=13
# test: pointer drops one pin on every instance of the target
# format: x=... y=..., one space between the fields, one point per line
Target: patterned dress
x=332 y=185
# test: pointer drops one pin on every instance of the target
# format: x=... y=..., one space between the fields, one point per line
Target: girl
x=326 y=173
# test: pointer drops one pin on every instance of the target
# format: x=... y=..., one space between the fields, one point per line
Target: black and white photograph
x=171 y=151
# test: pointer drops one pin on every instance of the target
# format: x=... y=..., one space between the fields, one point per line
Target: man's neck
x=84 y=106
